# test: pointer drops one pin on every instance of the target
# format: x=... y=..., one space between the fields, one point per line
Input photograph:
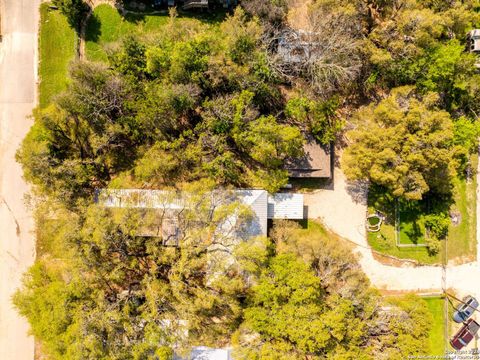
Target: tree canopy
x=312 y=300
x=202 y=108
x=169 y=109
x=404 y=144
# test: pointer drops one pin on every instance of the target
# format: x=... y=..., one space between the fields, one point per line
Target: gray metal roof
x=263 y=205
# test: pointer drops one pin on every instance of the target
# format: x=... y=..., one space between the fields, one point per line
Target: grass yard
x=461 y=236
x=314 y=232
x=57 y=49
x=383 y=241
x=108 y=26
x=312 y=229
x=412 y=227
x=437 y=333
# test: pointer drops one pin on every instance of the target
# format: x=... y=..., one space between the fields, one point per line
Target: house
x=263 y=205
x=196 y=4
x=191 y=4
x=315 y=163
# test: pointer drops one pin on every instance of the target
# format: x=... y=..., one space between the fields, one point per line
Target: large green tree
x=405 y=143
x=311 y=300
x=126 y=291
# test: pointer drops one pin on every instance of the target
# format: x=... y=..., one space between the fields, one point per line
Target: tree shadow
x=214 y=15
x=133 y=18
x=415 y=233
x=381 y=201
x=358 y=190
x=94 y=28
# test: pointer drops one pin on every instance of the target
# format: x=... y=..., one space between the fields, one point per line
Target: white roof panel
x=205 y=353
x=285 y=206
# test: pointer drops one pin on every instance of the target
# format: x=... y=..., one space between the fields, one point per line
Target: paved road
x=17 y=99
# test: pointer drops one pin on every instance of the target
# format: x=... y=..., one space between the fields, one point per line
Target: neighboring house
x=473 y=44
x=263 y=205
x=179 y=327
x=474 y=40
x=196 y=4
x=316 y=162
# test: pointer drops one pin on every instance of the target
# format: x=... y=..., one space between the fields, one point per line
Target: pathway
x=18 y=60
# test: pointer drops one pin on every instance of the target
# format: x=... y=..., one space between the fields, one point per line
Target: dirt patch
x=461 y=260
x=297 y=16
x=422 y=292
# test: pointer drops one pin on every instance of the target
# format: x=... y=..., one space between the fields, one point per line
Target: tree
x=85 y=137
x=245 y=147
x=318 y=117
x=74 y=10
x=286 y=309
x=124 y=292
x=273 y=11
x=404 y=144
x=448 y=70
x=311 y=300
x=326 y=53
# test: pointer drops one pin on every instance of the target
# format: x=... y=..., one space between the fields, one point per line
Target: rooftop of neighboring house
x=316 y=163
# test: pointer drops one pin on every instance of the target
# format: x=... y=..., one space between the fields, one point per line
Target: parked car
x=465 y=334
x=466 y=309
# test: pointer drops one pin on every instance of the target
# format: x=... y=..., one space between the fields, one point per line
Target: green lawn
x=437 y=333
x=461 y=237
x=313 y=229
x=108 y=26
x=57 y=49
x=412 y=227
x=384 y=240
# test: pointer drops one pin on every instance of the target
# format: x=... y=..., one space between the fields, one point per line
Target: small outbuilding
x=316 y=162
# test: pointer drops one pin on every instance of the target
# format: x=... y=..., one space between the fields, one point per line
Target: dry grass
x=297 y=16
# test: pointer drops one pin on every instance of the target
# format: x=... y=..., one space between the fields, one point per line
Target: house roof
x=263 y=206
x=316 y=162
x=257 y=200
x=205 y=353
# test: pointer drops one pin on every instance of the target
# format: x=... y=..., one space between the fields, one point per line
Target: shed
x=205 y=353
x=315 y=163
x=285 y=206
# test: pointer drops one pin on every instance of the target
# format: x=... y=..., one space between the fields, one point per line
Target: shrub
x=437 y=224
x=433 y=245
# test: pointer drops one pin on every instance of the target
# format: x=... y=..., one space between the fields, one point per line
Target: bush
x=437 y=224
x=433 y=245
